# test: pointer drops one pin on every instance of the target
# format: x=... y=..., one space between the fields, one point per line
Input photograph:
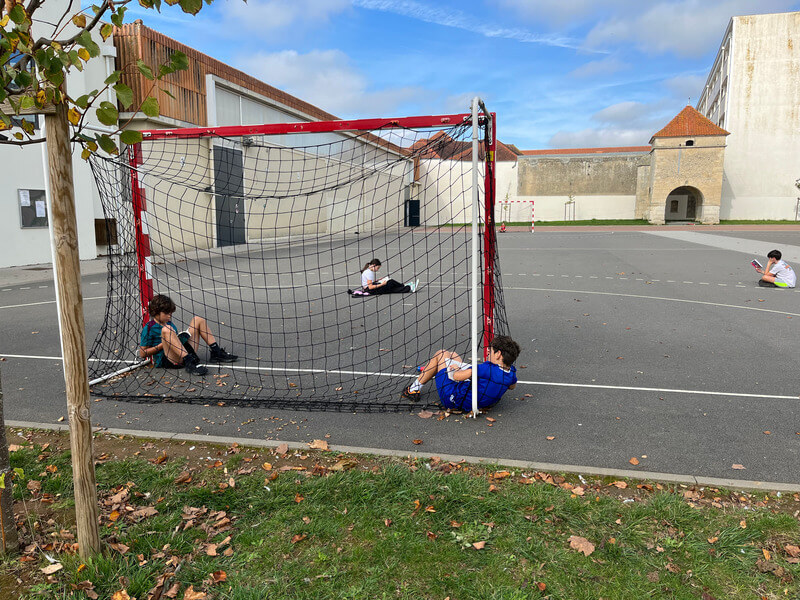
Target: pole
x=73 y=333
x=475 y=263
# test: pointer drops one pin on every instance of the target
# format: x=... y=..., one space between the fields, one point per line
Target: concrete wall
x=763 y=116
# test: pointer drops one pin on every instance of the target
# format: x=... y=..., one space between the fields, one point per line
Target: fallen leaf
x=424 y=414
x=298 y=538
x=767 y=433
x=793 y=551
x=713 y=540
x=267 y=466
x=550 y=438
x=60 y=419
x=282 y=449
x=120 y=595
x=619 y=484
x=417 y=442
x=190 y=594
x=184 y=477
x=767 y=554
x=50 y=569
x=219 y=576
x=672 y=568
x=479 y=545
x=298 y=498
x=542 y=586
x=14 y=447
x=634 y=461
x=581 y=544
x=318 y=445
x=737 y=467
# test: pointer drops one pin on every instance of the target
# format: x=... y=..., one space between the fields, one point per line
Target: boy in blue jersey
x=169 y=349
x=495 y=376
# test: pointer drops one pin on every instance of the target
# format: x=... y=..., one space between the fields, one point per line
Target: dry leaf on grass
x=298 y=538
x=282 y=449
x=190 y=594
x=581 y=544
x=219 y=576
x=619 y=484
x=49 y=570
x=479 y=545
x=120 y=595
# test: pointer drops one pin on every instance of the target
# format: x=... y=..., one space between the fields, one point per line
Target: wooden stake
x=73 y=335
x=8 y=526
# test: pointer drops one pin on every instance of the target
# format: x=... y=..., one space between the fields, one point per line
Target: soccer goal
x=262 y=230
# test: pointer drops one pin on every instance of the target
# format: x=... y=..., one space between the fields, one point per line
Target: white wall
x=25 y=168
x=761 y=158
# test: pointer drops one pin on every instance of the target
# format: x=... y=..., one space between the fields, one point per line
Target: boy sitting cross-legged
x=495 y=376
x=161 y=341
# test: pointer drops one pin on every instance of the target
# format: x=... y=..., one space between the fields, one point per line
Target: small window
x=690 y=142
x=32 y=209
x=673 y=206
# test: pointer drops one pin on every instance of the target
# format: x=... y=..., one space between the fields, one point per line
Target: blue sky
x=559 y=73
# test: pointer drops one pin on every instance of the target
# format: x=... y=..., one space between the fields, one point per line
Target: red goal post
x=486 y=120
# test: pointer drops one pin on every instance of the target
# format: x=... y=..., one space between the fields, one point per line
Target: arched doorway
x=684 y=203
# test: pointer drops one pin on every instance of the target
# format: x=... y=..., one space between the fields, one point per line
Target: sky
x=558 y=73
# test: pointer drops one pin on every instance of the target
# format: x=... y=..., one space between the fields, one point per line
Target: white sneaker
x=414 y=286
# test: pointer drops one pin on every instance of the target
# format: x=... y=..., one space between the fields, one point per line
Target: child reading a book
x=169 y=349
x=371 y=285
x=495 y=376
x=777 y=273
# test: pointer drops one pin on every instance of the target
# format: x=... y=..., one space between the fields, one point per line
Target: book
x=756 y=265
x=383 y=279
x=461 y=366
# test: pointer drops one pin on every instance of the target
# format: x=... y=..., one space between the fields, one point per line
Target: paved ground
x=655 y=344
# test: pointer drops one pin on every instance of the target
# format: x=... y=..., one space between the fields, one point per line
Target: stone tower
x=686 y=165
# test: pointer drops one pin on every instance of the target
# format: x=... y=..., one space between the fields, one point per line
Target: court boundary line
x=409 y=375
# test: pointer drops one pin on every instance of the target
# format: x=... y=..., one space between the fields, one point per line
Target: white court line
x=383 y=374
x=528 y=289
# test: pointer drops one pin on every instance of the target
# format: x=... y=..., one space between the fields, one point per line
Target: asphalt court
x=634 y=345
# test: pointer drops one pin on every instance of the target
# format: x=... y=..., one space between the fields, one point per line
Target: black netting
x=264 y=235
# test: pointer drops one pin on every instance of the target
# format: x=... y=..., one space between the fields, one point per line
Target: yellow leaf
x=120 y=595
x=41 y=97
x=4 y=21
x=767 y=555
x=634 y=461
x=83 y=53
x=79 y=20
x=74 y=116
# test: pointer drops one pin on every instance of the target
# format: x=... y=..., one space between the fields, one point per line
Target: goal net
x=262 y=230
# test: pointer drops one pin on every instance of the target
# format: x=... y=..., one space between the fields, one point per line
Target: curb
x=732 y=484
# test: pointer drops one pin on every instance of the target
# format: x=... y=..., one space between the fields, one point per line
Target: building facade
x=753 y=91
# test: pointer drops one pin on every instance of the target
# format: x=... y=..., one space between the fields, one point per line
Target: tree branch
x=20 y=143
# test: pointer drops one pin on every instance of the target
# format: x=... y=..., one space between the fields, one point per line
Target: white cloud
x=687 y=28
x=559 y=12
x=272 y=15
x=599 y=68
x=460 y=20
x=623 y=112
x=326 y=79
x=601 y=138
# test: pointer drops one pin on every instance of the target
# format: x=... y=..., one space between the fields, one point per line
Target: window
x=32 y=209
x=690 y=142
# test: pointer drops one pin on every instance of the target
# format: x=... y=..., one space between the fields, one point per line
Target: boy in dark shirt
x=495 y=376
x=161 y=341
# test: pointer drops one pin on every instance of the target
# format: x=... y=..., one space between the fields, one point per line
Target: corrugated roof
x=689 y=123
x=616 y=149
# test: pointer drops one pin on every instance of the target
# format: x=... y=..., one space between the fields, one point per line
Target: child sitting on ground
x=161 y=341
x=495 y=376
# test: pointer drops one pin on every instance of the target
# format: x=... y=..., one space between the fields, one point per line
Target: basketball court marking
x=521 y=382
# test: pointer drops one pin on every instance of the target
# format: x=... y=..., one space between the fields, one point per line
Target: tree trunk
x=9 y=542
x=73 y=333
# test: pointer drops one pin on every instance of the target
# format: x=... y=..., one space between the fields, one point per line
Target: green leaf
x=17 y=14
x=54 y=77
x=82 y=102
x=2 y=481
x=131 y=136
x=5 y=119
x=168 y=93
x=42 y=59
x=191 y=6
x=23 y=79
x=107 y=144
x=150 y=107
x=107 y=113
x=113 y=78
x=85 y=40
x=119 y=17
x=179 y=61
x=27 y=102
x=164 y=70
x=19 y=473
x=144 y=69
x=124 y=95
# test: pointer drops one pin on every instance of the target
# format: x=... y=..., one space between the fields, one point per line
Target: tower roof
x=690 y=123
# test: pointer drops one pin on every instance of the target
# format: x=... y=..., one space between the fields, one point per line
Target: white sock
x=415 y=387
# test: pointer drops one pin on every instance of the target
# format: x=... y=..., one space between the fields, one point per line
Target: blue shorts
x=451 y=393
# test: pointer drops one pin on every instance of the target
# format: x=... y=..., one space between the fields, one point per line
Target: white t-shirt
x=367 y=277
x=784 y=273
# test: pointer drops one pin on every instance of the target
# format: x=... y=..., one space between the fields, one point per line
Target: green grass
x=387 y=529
